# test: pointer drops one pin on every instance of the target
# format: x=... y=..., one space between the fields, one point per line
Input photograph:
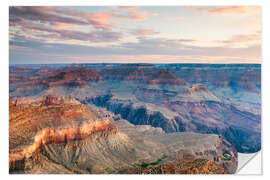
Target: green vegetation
x=226 y=157
x=144 y=165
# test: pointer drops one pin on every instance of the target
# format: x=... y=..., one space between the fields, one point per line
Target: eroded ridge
x=76 y=123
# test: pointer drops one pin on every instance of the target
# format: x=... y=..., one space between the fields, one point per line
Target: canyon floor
x=132 y=118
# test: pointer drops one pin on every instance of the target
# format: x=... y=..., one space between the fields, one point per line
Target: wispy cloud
x=233 y=9
x=226 y=9
x=138 y=15
x=61 y=32
x=143 y=32
x=68 y=24
x=146 y=47
x=42 y=14
x=244 y=38
x=129 y=7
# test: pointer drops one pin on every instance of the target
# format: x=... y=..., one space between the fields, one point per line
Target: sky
x=134 y=34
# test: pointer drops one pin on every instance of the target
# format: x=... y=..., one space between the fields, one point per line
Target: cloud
x=143 y=32
x=144 y=46
x=233 y=9
x=226 y=9
x=97 y=19
x=146 y=50
x=129 y=7
x=42 y=14
x=63 y=34
x=93 y=36
x=60 y=24
x=159 y=50
x=243 y=40
x=138 y=15
x=66 y=17
x=63 y=26
x=66 y=32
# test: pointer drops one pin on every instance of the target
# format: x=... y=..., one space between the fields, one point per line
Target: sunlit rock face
x=35 y=123
x=60 y=135
x=55 y=112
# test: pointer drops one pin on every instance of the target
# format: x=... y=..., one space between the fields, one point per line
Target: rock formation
x=155 y=111
x=166 y=77
x=60 y=135
x=202 y=117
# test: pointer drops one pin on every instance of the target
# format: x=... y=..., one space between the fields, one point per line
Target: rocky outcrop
x=73 y=78
x=129 y=72
x=60 y=135
x=181 y=147
x=166 y=77
x=197 y=166
x=138 y=115
x=34 y=123
x=223 y=100
x=36 y=84
x=201 y=117
x=45 y=70
x=240 y=128
x=87 y=75
x=189 y=166
x=19 y=70
x=43 y=101
x=198 y=88
x=196 y=93
x=18 y=158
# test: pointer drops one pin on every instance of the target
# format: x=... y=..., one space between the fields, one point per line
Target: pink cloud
x=61 y=17
x=244 y=39
x=138 y=15
x=233 y=9
x=63 y=26
x=100 y=19
x=226 y=9
x=129 y=7
x=143 y=32
x=65 y=18
x=97 y=19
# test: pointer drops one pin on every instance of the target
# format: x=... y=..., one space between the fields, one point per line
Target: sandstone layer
x=61 y=135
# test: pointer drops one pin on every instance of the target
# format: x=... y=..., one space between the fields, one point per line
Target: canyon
x=132 y=118
x=78 y=141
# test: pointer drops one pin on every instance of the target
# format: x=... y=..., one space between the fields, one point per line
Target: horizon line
x=123 y=63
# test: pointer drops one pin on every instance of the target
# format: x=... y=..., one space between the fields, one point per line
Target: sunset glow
x=129 y=34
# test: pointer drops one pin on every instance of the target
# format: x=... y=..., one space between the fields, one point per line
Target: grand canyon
x=112 y=118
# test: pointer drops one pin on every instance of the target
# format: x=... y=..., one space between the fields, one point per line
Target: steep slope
x=129 y=72
x=60 y=135
x=201 y=114
x=223 y=99
x=190 y=166
x=196 y=93
x=38 y=84
x=165 y=77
